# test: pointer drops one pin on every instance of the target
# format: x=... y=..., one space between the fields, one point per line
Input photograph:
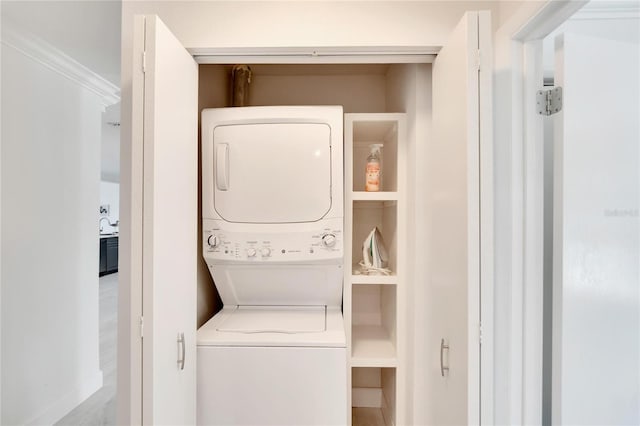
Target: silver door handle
x=182 y=345
x=443 y=367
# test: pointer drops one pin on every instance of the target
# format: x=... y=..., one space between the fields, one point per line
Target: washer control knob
x=251 y=252
x=265 y=252
x=212 y=241
x=329 y=240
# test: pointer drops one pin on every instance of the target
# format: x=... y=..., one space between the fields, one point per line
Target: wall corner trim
x=44 y=53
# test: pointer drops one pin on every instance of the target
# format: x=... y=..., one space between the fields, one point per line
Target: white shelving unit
x=372 y=302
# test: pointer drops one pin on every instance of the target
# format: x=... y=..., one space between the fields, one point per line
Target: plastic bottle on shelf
x=373 y=173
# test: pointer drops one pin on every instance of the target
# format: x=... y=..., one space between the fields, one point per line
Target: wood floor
x=100 y=408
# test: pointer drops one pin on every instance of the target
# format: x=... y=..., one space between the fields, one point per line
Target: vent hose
x=240 y=80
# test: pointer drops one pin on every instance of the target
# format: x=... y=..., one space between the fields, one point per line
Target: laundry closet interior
x=411 y=334
x=377 y=98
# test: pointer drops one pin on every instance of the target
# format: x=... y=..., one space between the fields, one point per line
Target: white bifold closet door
x=461 y=125
x=596 y=229
x=169 y=227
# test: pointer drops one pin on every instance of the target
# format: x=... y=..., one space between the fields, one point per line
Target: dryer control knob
x=265 y=252
x=212 y=241
x=251 y=252
x=329 y=240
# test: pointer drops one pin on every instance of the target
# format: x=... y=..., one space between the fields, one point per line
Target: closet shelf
x=374 y=196
x=373 y=279
x=372 y=347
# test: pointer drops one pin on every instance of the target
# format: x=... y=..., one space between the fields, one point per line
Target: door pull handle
x=444 y=368
x=222 y=167
x=182 y=348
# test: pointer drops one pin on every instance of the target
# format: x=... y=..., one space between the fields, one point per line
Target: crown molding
x=58 y=61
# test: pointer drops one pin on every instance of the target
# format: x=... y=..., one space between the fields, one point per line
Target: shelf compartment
x=380 y=214
x=373 y=396
x=375 y=128
x=373 y=331
x=372 y=347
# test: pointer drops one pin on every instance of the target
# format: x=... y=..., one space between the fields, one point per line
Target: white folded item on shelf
x=374 y=255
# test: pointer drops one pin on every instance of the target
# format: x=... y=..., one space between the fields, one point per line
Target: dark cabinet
x=108 y=255
x=103 y=255
x=112 y=254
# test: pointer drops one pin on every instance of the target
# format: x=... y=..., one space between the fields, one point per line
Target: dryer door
x=272 y=172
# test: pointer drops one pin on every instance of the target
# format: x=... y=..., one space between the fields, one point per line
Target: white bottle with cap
x=373 y=172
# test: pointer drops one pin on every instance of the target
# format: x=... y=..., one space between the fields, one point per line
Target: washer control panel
x=307 y=243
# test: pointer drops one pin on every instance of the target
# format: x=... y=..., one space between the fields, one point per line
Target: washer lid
x=333 y=337
x=275 y=319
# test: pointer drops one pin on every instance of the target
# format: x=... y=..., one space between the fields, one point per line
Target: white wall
x=110 y=145
x=304 y=23
x=50 y=186
x=88 y=31
x=110 y=194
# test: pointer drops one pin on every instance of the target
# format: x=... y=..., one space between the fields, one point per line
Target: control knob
x=329 y=240
x=265 y=252
x=212 y=241
x=251 y=252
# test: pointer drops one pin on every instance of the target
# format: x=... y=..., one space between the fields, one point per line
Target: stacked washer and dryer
x=272 y=204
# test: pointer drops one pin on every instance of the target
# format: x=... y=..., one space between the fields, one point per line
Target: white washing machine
x=272 y=203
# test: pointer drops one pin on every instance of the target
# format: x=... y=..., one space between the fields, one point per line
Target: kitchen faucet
x=108 y=222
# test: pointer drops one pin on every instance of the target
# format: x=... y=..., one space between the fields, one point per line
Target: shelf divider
x=374 y=279
x=374 y=196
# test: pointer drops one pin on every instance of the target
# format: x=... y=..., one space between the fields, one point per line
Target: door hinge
x=144 y=62
x=549 y=102
x=480 y=333
x=141 y=327
x=477 y=59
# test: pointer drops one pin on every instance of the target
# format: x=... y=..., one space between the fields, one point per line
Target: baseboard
x=68 y=402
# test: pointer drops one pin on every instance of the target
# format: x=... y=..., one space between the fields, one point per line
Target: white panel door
x=596 y=277
x=453 y=240
x=170 y=191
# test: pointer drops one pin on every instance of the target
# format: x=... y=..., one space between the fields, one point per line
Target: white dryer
x=272 y=203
